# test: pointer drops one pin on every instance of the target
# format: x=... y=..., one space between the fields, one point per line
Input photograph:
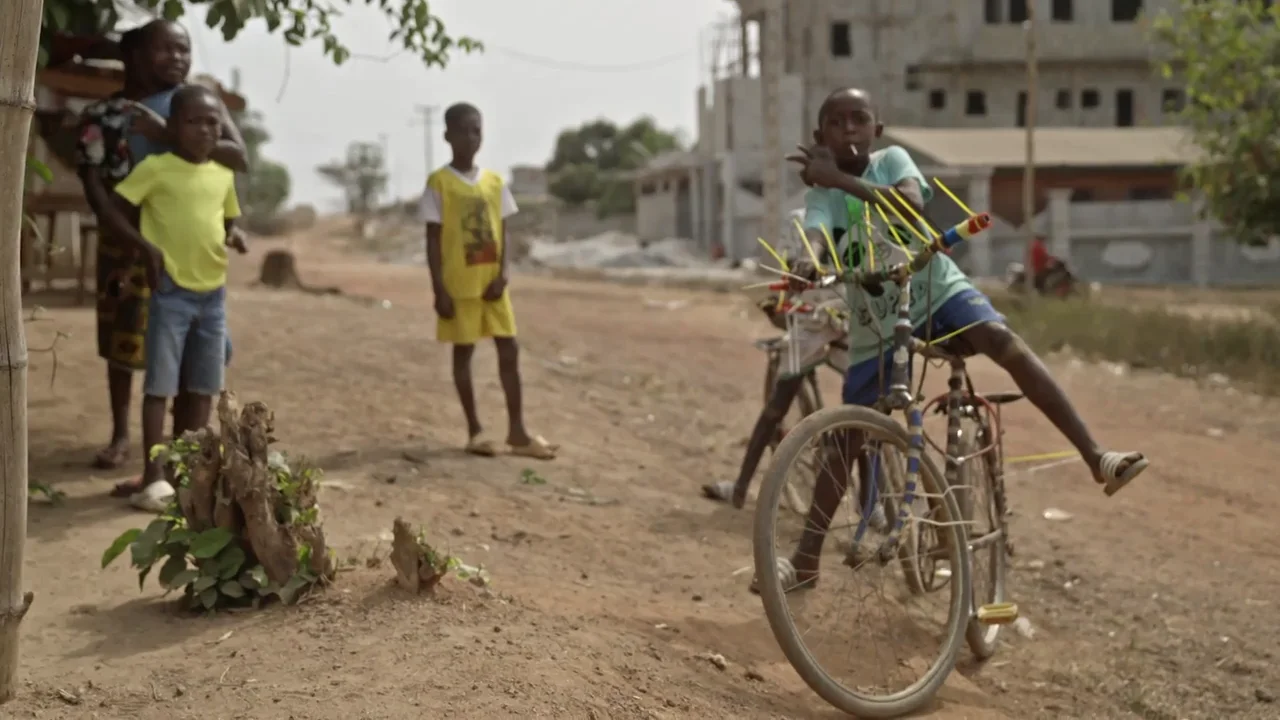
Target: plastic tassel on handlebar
x=964 y=230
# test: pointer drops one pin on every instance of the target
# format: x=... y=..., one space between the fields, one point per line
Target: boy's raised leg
x=1029 y=373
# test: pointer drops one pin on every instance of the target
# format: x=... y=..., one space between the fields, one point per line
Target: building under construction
x=935 y=66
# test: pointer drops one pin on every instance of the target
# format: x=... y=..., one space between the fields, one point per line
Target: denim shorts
x=862 y=381
x=187 y=346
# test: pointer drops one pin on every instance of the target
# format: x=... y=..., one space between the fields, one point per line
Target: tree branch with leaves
x=1228 y=54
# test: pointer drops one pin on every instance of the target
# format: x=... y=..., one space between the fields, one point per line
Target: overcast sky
x=549 y=65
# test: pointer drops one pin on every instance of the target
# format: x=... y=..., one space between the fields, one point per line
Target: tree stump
x=236 y=484
x=280 y=271
x=418 y=566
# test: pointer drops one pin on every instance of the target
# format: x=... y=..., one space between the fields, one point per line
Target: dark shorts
x=187 y=346
x=863 y=381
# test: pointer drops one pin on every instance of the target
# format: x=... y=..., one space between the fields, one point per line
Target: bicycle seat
x=1001 y=398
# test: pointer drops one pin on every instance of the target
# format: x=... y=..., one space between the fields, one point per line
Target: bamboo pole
x=19 y=44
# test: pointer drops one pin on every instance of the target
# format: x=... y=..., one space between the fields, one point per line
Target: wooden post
x=1029 y=170
x=19 y=43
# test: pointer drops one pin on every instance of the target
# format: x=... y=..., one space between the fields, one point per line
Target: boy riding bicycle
x=842 y=173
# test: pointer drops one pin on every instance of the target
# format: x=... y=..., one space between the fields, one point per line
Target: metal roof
x=1054 y=146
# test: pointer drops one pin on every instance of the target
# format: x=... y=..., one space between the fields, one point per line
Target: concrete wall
x=656 y=211
x=734 y=117
x=1101 y=185
x=941 y=39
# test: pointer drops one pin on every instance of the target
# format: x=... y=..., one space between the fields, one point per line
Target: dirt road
x=612 y=579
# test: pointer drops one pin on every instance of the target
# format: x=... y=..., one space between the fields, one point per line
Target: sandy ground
x=613 y=579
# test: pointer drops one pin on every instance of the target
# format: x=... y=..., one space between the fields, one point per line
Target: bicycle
x=950 y=530
x=782 y=315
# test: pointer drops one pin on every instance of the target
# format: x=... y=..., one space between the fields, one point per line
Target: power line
x=593 y=67
x=554 y=63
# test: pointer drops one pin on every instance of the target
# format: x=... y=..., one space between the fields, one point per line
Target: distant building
x=528 y=181
x=963 y=64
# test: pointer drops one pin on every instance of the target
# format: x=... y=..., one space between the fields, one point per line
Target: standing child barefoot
x=466 y=210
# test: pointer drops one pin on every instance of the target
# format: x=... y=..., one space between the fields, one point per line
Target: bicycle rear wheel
x=806 y=403
x=987 y=542
x=924 y=658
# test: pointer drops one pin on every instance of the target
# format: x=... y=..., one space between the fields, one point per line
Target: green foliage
x=591 y=162
x=1228 y=54
x=362 y=176
x=213 y=568
x=414 y=27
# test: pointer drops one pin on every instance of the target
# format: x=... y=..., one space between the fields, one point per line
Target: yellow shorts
x=476 y=320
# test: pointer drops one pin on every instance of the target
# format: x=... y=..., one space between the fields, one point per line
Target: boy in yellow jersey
x=465 y=209
x=182 y=206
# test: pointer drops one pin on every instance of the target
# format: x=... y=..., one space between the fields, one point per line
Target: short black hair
x=131 y=41
x=842 y=92
x=455 y=112
x=188 y=94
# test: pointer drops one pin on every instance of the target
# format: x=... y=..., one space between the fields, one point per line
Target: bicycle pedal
x=998 y=613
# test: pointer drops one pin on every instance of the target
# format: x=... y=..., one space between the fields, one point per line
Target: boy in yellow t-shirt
x=183 y=206
x=465 y=209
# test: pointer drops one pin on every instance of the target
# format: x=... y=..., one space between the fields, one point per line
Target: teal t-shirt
x=930 y=288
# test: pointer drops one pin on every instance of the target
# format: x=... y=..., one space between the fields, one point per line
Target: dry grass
x=1245 y=349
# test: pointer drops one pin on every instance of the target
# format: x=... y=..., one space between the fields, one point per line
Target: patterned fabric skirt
x=123 y=300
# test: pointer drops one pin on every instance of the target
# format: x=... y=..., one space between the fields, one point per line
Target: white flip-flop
x=1110 y=468
x=154 y=498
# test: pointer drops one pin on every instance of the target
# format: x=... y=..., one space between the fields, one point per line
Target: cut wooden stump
x=271 y=511
x=280 y=271
x=418 y=566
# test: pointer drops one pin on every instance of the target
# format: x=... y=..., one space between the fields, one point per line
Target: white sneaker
x=154 y=498
x=878 y=521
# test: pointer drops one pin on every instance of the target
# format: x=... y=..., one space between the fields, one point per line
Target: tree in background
x=26 y=29
x=362 y=176
x=266 y=186
x=1228 y=54
x=591 y=162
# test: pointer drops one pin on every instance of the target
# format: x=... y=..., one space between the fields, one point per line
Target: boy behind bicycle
x=844 y=174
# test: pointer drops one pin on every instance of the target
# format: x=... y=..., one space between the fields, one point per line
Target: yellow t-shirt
x=470 y=215
x=184 y=212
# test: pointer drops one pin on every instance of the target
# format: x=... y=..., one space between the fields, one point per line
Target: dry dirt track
x=1174 y=586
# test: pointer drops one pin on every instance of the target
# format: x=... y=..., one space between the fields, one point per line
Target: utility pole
x=427 y=115
x=772 y=66
x=1029 y=170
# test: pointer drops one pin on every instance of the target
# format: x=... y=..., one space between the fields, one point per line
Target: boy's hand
x=803 y=268
x=818 y=166
x=238 y=241
x=444 y=305
x=495 y=289
x=147 y=122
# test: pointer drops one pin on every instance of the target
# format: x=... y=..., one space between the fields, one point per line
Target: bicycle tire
x=771 y=592
x=808 y=406
x=982 y=639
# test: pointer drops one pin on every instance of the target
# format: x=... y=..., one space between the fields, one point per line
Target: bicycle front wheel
x=923 y=643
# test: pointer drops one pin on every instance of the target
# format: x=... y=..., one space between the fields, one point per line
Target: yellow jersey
x=184 y=209
x=470 y=215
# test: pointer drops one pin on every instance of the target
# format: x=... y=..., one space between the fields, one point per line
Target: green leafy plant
x=1227 y=53
x=213 y=568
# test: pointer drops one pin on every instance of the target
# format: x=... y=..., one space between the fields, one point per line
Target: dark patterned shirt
x=103 y=143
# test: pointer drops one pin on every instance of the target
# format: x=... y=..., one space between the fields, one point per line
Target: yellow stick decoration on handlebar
x=953 y=197
x=812 y=255
x=831 y=246
x=782 y=263
x=911 y=208
x=914 y=230
x=893 y=232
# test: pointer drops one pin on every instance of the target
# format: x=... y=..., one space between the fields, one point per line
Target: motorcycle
x=1056 y=281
